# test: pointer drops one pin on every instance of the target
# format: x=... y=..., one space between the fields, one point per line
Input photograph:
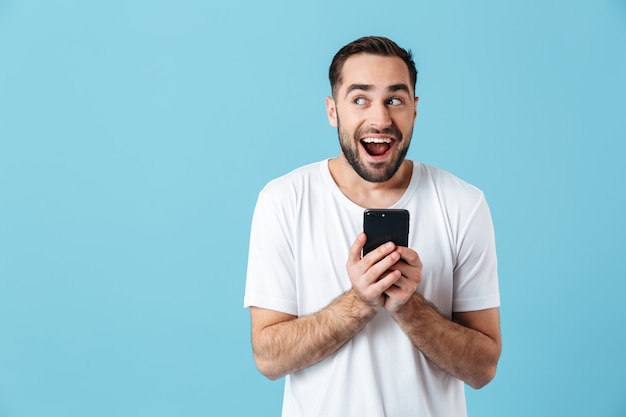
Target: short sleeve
x=476 y=270
x=270 y=281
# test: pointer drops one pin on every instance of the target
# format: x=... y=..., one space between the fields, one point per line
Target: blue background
x=135 y=136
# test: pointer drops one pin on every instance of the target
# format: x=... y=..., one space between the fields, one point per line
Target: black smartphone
x=385 y=225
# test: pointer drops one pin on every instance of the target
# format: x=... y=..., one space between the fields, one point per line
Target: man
x=398 y=331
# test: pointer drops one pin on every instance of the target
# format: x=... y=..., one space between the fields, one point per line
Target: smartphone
x=385 y=225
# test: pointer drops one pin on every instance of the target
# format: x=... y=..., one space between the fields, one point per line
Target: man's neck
x=370 y=194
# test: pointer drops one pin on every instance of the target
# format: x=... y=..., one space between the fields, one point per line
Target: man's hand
x=410 y=268
x=374 y=274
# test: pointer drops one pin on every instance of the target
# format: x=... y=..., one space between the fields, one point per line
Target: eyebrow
x=363 y=87
x=399 y=87
x=368 y=87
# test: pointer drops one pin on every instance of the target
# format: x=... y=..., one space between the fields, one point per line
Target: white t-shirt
x=302 y=229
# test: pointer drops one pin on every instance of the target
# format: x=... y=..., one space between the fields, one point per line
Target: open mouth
x=376 y=146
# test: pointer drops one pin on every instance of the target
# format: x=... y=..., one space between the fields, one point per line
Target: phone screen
x=385 y=225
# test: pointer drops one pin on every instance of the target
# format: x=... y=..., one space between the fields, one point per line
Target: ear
x=331 y=111
x=415 y=114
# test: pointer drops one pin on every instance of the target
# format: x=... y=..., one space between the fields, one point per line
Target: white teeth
x=377 y=140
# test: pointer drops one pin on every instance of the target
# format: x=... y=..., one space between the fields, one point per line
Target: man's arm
x=467 y=347
x=284 y=343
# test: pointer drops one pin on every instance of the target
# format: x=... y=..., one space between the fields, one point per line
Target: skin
x=375 y=99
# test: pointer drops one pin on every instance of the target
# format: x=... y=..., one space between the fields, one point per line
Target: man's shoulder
x=446 y=186
x=443 y=179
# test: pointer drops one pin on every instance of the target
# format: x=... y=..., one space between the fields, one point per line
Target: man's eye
x=359 y=101
x=395 y=101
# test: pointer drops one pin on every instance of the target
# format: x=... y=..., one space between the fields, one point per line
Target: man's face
x=374 y=110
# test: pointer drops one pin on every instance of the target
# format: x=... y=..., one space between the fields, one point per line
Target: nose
x=379 y=116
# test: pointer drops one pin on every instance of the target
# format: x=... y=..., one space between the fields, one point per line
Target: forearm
x=465 y=353
x=291 y=345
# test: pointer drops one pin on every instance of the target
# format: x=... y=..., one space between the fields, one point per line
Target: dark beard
x=379 y=172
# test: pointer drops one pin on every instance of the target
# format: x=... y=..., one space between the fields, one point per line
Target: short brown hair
x=376 y=45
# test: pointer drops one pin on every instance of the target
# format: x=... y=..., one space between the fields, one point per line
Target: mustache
x=389 y=131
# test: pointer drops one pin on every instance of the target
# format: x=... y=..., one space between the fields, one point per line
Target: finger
x=387 y=280
x=403 y=267
x=376 y=271
x=354 y=255
x=373 y=293
x=410 y=256
x=402 y=284
x=379 y=253
x=396 y=298
x=410 y=274
x=402 y=288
